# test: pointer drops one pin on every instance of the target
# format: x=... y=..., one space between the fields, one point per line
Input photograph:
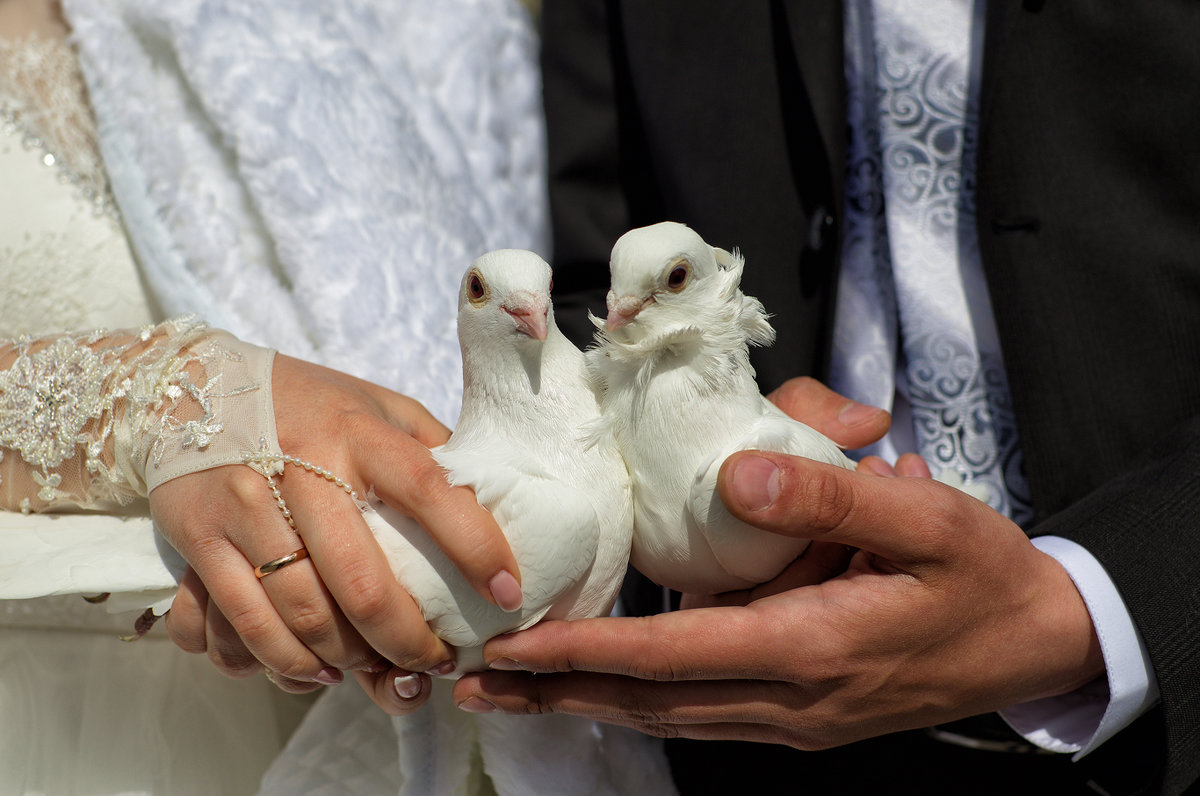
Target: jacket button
x=820 y=227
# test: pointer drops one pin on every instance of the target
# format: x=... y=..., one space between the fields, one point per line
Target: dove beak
x=529 y=312
x=622 y=310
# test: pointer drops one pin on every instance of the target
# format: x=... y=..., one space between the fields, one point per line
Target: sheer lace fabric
x=43 y=101
x=63 y=254
x=98 y=420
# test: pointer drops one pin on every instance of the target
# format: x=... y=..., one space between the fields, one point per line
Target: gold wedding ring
x=263 y=570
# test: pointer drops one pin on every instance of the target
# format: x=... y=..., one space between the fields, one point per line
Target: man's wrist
x=1080 y=721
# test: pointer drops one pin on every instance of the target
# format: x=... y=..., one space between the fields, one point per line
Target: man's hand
x=946 y=610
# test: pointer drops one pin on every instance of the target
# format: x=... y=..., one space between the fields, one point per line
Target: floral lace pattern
x=915 y=324
x=63 y=252
x=71 y=405
x=43 y=103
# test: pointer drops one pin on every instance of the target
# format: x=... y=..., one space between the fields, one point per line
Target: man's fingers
x=751 y=710
x=406 y=477
x=702 y=644
x=911 y=465
x=819 y=562
x=892 y=517
x=875 y=465
x=848 y=423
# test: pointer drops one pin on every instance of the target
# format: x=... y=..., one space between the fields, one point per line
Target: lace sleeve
x=97 y=420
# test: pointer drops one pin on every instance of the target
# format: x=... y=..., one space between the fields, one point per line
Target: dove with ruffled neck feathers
x=678 y=395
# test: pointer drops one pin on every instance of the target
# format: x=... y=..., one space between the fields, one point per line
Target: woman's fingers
x=185 y=620
x=405 y=476
x=376 y=616
x=397 y=691
x=225 y=523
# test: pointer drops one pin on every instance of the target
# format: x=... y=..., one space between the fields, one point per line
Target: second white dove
x=678 y=395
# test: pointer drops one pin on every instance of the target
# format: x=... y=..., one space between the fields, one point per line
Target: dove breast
x=560 y=493
x=552 y=528
x=679 y=396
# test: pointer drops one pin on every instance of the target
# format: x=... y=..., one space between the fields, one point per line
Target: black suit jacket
x=729 y=116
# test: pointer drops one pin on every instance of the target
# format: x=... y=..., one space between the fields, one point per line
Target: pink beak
x=529 y=312
x=621 y=311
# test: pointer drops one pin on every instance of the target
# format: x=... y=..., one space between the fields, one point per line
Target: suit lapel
x=815 y=27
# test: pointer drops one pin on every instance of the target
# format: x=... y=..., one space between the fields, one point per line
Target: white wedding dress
x=81 y=711
x=341 y=241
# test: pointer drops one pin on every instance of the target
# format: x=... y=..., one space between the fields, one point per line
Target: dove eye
x=477 y=289
x=678 y=277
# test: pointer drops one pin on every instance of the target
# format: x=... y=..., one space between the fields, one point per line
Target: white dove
x=562 y=500
x=679 y=396
x=525 y=442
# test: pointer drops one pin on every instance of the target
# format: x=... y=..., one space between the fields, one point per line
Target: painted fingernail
x=408 y=686
x=755 y=482
x=854 y=413
x=506 y=665
x=506 y=591
x=476 y=705
x=442 y=669
x=329 y=676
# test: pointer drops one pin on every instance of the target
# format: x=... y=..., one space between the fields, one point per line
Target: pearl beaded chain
x=270 y=463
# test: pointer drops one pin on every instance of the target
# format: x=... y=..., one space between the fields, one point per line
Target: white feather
x=679 y=396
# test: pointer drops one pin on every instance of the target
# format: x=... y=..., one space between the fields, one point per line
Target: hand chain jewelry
x=269 y=465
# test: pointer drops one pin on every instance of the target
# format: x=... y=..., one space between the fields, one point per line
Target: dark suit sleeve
x=1143 y=527
x=1089 y=220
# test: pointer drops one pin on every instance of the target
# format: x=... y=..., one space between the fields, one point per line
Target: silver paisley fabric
x=914 y=329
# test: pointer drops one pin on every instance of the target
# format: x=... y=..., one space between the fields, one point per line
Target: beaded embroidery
x=61 y=401
x=42 y=104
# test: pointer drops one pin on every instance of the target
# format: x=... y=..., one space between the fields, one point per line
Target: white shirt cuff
x=1080 y=721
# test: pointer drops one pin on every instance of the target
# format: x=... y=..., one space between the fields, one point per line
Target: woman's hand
x=342 y=608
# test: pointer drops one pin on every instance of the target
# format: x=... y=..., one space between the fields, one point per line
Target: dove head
x=664 y=275
x=505 y=299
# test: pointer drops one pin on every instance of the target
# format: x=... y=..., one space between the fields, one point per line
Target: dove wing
x=552 y=528
x=744 y=551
